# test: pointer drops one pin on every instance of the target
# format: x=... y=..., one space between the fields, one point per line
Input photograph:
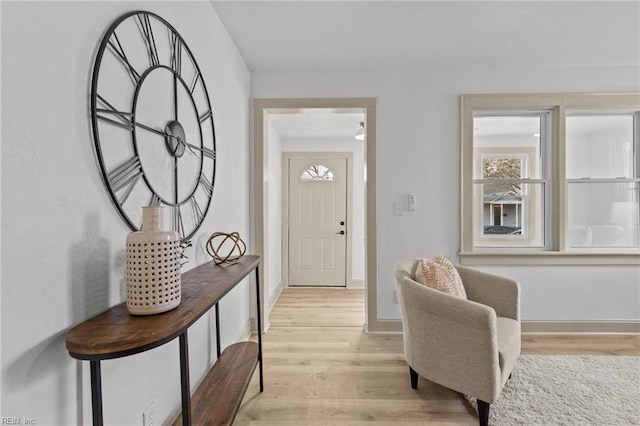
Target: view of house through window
x=502 y=202
x=508 y=184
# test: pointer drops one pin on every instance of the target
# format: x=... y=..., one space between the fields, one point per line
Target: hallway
x=321 y=368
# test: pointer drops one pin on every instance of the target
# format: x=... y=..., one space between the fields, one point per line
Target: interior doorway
x=264 y=188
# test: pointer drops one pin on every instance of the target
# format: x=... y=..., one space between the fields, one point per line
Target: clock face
x=152 y=123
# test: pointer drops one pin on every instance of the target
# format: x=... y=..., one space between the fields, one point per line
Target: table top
x=116 y=333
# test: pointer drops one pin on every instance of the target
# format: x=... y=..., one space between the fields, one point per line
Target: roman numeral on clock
x=206 y=185
x=198 y=215
x=176 y=52
x=116 y=47
x=196 y=78
x=110 y=114
x=124 y=178
x=149 y=40
x=177 y=223
x=155 y=201
x=207 y=152
x=205 y=116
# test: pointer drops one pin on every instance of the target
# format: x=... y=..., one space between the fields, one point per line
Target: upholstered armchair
x=469 y=346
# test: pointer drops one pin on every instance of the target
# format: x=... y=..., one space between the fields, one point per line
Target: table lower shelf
x=218 y=398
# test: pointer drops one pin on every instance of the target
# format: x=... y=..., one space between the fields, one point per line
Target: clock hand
x=175 y=179
x=175 y=96
x=190 y=147
x=205 y=151
x=165 y=134
x=151 y=129
x=173 y=149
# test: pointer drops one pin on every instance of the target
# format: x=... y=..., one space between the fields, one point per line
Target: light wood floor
x=321 y=369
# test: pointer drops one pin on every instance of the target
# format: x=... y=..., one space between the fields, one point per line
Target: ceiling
x=338 y=35
x=359 y=35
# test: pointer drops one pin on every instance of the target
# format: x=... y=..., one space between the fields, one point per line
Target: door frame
x=348 y=279
x=264 y=106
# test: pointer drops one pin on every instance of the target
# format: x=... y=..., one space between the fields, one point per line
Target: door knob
x=342 y=223
x=341 y=232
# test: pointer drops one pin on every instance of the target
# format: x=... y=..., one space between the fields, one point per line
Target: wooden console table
x=115 y=333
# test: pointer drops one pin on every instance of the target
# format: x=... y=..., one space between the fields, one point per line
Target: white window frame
x=481 y=240
x=556 y=250
x=543 y=164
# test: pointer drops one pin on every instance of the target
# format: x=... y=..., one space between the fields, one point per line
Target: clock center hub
x=175 y=140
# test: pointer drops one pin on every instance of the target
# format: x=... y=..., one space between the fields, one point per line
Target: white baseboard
x=254 y=324
x=356 y=284
x=245 y=333
x=271 y=302
x=384 y=326
x=541 y=327
x=276 y=295
x=581 y=327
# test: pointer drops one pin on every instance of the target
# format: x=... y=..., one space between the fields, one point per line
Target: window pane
x=317 y=172
x=508 y=211
x=509 y=215
x=507 y=147
x=600 y=146
x=602 y=214
x=501 y=167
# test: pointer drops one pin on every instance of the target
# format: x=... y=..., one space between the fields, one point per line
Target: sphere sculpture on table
x=233 y=244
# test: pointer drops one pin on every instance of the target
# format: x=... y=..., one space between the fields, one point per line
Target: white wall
x=419 y=152
x=62 y=240
x=357 y=220
x=273 y=273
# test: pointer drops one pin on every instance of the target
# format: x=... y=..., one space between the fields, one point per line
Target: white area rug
x=570 y=390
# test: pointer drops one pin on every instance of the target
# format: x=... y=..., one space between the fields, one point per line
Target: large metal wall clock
x=152 y=123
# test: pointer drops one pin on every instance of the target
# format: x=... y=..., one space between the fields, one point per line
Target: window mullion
x=558 y=231
x=604 y=180
x=512 y=181
x=636 y=144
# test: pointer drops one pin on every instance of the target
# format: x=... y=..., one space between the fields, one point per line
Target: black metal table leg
x=258 y=314
x=184 y=380
x=96 y=393
x=218 y=329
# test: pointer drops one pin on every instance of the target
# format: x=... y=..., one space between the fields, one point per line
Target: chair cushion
x=440 y=274
x=508 y=334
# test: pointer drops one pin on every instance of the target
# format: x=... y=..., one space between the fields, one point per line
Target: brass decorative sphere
x=235 y=248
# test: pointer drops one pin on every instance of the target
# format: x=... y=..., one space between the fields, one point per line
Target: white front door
x=317 y=221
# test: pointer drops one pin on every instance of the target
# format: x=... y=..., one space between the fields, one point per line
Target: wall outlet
x=148 y=414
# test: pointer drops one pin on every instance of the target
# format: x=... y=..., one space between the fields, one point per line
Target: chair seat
x=508 y=335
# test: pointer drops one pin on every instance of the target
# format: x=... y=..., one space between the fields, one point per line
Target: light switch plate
x=411 y=202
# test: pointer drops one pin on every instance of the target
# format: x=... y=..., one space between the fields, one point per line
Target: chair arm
x=449 y=340
x=501 y=293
